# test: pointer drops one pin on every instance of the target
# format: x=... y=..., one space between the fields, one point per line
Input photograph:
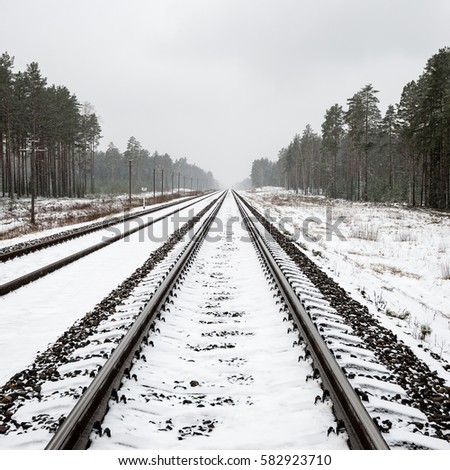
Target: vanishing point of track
x=90 y=410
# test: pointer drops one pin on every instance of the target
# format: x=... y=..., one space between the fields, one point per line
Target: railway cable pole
x=33 y=150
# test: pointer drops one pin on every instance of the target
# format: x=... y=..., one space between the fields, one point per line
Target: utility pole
x=178 y=183
x=33 y=151
x=162 y=182
x=154 y=183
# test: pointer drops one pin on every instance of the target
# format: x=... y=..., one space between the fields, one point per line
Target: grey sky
x=222 y=82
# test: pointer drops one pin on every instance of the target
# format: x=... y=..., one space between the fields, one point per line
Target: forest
x=49 y=146
x=156 y=172
x=362 y=155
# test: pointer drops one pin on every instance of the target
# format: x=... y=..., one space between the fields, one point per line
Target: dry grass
x=442 y=246
x=299 y=200
x=365 y=232
x=394 y=270
x=405 y=236
x=445 y=269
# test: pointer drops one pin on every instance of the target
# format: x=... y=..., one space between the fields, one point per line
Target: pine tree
x=387 y=127
x=332 y=134
x=408 y=127
x=434 y=86
x=362 y=118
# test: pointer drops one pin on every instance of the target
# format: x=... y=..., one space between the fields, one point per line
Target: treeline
x=403 y=155
x=115 y=170
x=47 y=138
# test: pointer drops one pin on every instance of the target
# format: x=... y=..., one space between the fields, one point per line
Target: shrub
x=425 y=330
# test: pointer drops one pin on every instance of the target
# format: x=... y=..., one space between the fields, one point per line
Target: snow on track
x=22 y=265
x=36 y=314
x=223 y=372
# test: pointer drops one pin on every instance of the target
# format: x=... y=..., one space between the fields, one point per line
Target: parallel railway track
x=366 y=407
x=89 y=411
x=418 y=395
x=42 y=271
x=14 y=251
x=363 y=433
x=74 y=432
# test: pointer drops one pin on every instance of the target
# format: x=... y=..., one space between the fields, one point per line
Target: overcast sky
x=222 y=82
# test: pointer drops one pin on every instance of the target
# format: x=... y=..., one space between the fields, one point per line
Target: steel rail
x=348 y=408
x=21 y=281
x=15 y=253
x=74 y=431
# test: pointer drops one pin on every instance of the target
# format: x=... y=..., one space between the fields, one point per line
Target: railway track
x=117 y=226
x=20 y=249
x=395 y=385
x=174 y=359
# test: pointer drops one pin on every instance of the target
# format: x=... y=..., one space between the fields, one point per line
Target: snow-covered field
x=394 y=259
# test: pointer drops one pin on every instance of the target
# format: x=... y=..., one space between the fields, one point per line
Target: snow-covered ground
x=37 y=314
x=394 y=259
